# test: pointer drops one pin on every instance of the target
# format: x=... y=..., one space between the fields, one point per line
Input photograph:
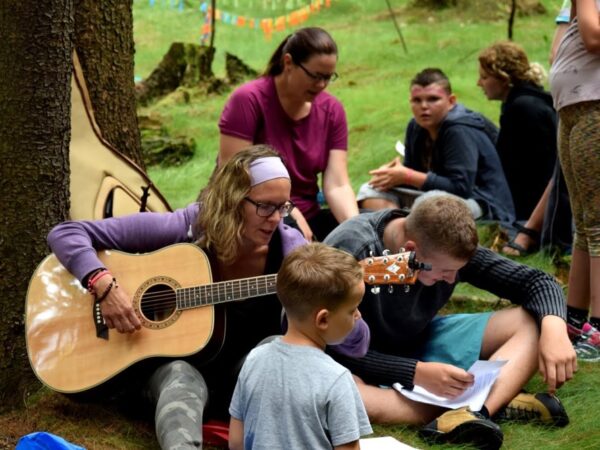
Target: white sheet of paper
x=383 y=443
x=485 y=373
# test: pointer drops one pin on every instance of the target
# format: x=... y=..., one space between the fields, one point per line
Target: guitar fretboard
x=225 y=291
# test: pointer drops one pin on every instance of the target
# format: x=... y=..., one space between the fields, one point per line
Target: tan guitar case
x=104 y=182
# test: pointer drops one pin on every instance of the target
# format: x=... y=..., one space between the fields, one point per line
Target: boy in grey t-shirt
x=290 y=394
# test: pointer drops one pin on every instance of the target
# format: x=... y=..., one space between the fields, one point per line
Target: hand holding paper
x=485 y=373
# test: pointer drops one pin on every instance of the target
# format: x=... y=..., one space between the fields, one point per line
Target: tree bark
x=104 y=41
x=35 y=62
x=35 y=106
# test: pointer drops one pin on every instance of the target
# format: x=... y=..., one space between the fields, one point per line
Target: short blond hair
x=439 y=222
x=316 y=276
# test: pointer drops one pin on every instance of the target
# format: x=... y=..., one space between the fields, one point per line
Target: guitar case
x=103 y=181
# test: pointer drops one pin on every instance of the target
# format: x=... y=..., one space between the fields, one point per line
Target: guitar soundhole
x=158 y=303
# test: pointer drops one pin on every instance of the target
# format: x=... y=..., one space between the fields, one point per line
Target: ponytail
x=301 y=45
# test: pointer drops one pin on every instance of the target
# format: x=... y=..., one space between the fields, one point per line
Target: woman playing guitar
x=237 y=222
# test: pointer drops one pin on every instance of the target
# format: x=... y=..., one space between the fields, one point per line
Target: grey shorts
x=405 y=197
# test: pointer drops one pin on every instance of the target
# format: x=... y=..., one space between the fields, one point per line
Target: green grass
x=374 y=77
x=375 y=73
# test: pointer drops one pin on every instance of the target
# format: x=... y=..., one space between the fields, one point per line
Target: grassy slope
x=375 y=73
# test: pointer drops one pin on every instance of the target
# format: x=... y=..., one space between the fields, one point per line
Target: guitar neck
x=225 y=291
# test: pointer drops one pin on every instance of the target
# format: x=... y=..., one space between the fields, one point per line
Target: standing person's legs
x=578 y=298
x=180 y=394
x=584 y=153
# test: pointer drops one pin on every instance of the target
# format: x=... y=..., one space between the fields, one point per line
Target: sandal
x=533 y=234
x=518 y=249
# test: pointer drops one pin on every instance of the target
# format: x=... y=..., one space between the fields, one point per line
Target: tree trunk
x=184 y=64
x=104 y=41
x=35 y=106
x=35 y=62
x=511 y=18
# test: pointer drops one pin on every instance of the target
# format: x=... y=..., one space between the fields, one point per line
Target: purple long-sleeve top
x=75 y=244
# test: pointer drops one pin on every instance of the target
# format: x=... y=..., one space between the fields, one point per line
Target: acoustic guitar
x=174 y=297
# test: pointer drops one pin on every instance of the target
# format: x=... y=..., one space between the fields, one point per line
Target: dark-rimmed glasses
x=268 y=209
x=318 y=76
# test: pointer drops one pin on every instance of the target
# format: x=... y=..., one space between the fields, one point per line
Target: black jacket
x=464 y=161
x=527 y=145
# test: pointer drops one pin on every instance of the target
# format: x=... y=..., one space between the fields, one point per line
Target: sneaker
x=574 y=332
x=542 y=408
x=463 y=426
x=588 y=345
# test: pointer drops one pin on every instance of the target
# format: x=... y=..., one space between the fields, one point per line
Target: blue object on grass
x=320 y=198
x=45 y=441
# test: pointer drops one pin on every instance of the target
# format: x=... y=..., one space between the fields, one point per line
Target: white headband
x=265 y=169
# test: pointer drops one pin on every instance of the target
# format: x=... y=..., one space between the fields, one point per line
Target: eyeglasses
x=318 y=76
x=268 y=209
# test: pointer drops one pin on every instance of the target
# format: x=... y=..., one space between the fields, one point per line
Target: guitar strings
x=215 y=293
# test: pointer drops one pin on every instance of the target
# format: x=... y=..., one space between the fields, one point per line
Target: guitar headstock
x=400 y=268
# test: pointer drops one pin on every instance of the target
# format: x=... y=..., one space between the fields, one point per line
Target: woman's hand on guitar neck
x=117 y=308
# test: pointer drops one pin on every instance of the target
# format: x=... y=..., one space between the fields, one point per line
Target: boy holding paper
x=412 y=346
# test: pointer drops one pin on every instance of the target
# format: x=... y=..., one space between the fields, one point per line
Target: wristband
x=95 y=277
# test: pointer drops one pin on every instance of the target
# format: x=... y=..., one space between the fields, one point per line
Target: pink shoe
x=588 y=345
x=591 y=334
x=574 y=332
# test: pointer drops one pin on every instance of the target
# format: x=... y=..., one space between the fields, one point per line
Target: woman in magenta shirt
x=289 y=109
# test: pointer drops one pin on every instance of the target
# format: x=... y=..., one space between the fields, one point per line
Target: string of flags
x=298 y=12
x=267 y=25
x=172 y=3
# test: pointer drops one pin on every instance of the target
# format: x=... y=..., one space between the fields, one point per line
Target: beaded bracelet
x=107 y=290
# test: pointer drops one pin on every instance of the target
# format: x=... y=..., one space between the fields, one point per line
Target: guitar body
x=60 y=330
x=173 y=295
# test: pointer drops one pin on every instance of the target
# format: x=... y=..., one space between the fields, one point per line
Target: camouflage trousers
x=579 y=150
x=180 y=394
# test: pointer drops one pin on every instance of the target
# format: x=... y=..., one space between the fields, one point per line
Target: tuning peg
x=407 y=288
x=390 y=288
x=401 y=277
x=385 y=252
x=375 y=290
x=371 y=278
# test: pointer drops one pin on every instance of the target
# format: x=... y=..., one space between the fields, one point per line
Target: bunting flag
x=267 y=25
x=296 y=16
